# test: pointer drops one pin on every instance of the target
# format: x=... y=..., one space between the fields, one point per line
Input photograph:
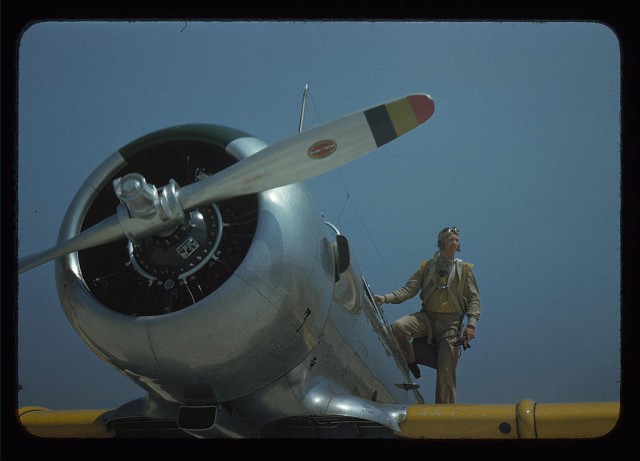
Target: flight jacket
x=465 y=293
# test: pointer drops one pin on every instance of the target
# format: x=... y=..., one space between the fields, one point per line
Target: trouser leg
x=446 y=330
x=405 y=329
x=446 y=371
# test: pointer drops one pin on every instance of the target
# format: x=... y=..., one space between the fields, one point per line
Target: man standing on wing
x=449 y=293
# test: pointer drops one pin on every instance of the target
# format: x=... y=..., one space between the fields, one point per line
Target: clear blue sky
x=522 y=154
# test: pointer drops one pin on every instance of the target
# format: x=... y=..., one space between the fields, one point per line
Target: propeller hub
x=140 y=198
x=183 y=252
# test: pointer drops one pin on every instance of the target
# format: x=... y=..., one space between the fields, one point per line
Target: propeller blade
x=312 y=152
x=104 y=232
x=302 y=156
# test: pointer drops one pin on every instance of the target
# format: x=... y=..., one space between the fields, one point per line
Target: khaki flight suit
x=428 y=337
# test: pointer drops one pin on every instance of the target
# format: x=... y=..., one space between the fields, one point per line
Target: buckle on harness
x=442 y=277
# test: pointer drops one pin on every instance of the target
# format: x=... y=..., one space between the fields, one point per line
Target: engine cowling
x=225 y=303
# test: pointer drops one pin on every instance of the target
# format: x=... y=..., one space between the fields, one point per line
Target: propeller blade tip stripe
x=422 y=105
x=380 y=125
x=393 y=119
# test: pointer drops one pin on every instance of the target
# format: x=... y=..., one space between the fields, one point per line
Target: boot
x=413 y=366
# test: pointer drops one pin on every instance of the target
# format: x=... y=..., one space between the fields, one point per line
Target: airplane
x=240 y=310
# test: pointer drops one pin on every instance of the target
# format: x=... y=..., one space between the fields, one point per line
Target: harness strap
x=462 y=269
x=431 y=275
x=456 y=299
x=430 y=267
x=430 y=338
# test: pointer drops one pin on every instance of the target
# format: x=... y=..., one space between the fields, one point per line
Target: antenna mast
x=304 y=103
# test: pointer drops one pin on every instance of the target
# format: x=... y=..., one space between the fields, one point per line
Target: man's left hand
x=470 y=333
